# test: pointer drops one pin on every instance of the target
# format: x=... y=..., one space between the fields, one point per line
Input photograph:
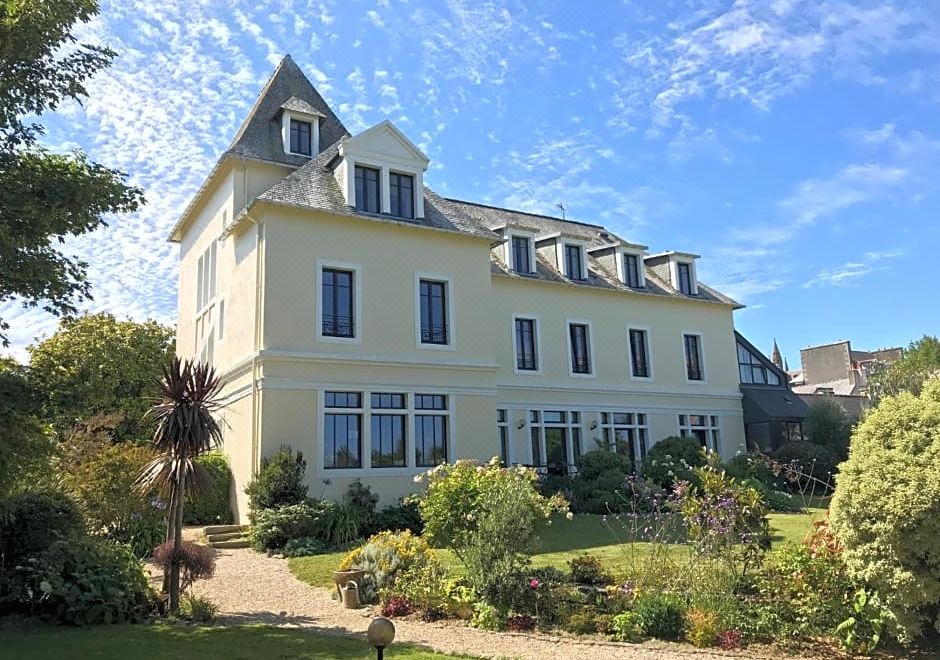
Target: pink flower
x=534 y=583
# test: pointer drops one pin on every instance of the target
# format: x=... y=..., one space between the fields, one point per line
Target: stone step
x=226 y=536
x=231 y=544
x=224 y=529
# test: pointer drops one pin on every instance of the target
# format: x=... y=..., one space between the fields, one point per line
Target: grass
x=564 y=540
x=163 y=642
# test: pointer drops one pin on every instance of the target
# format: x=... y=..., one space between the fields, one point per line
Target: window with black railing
x=526 y=349
x=433 y=301
x=337 y=305
x=580 y=348
x=693 y=358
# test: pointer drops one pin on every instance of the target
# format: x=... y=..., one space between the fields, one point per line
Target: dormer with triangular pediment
x=381 y=171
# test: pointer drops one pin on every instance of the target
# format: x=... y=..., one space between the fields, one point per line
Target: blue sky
x=795 y=144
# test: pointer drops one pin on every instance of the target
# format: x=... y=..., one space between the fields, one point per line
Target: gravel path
x=252 y=588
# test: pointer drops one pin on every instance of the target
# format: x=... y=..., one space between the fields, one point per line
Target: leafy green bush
x=626 y=627
x=702 y=628
x=273 y=528
x=197 y=562
x=386 y=556
x=103 y=484
x=596 y=486
x=346 y=525
x=886 y=509
x=214 y=506
x=659 y=615
x=279 y=482
x=826 y=424
x=304 y=547
x=84 y=581
x=587 y=621
x=587 y=569
x=31 y=522
x=399 y=518
x=672 y=460
x=757 y=466
x=776 y=500
x=362 y=502
x=488 y=516
x=808 y=459
x=198 y=609
x=488 y=617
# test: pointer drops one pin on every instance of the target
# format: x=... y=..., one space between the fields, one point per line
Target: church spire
x=777 y=360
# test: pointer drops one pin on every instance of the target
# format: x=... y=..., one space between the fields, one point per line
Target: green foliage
x=776 y=500
x=886 y=509
x=84 y=582
x=198 y=609
x=626 y=627
x=588 y=621
x=809 y=460
x=31 y=522
x=702 y=628
x=429 y=589
x=385 y=557
x=103 y=486
x=587 y=569
x=362 y=503
x=27 y=446
x=861 y=632
x=197 y=562
x=97 y=364
x=304 y=547
x=659 y=615
x=601 y=475
x=399 y=518
x=488 y=617
x=280 y=481
x=757 y=466
x=488 y=516
x=273 y=528
x=826 y=424
x=345 y=525
x=672 y=460
x=921 y=361
x=212 y=505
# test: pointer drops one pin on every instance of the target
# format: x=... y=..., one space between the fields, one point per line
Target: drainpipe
x=257 y=343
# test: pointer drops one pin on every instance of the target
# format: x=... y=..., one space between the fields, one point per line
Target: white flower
x=45 y=587
x=569 y=516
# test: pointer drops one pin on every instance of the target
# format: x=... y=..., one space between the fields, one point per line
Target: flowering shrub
x=274 y=528
x=386 y=556
x=672 y=460
x=397 y=606
x=488 y=516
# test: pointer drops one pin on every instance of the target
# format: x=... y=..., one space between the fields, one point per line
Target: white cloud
x=851 y=272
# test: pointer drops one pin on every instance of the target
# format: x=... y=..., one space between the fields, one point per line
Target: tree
x=97 y=365
x=25 y=443
x=921 y=361
x=886 y=508
x=827 y=424
x=186 y=429
x=46 y=197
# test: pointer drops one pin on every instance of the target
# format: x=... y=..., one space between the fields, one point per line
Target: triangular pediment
x=385 y=142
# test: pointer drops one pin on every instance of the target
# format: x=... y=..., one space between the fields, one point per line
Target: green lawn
x=565 y=539
x=170 y=642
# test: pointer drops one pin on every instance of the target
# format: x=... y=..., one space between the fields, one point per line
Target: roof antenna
x=561 y=207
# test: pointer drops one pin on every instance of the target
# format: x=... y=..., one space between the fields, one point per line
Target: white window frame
x=640 y=267
x=674 y=274
x=451 y=344
x=649 y=354
x=387 y=192
x=500 y=425
x=207 y=297
x=713 y=426
x=590 y=328
x=560 y=243
x=567 y=424
x=702 y=365
x=538 y=345
x=314 y=122
x=365 y=411
x=636 y=426
x=356 y=270
x=507 y=253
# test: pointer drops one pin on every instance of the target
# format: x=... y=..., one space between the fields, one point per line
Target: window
x=526 y=345
x=367 y=189
x=502 y=428
x=433 y=301
x=521 y=255
x=430 y=430
x=685 y=278
x=301 y=141
x=580 y=348
x=693 y=357
x=337 y=303
x=556 y=436
x=703 y=427
x=752 y=371
x=639 y=354
x=573 y=269
x=401 y=188
x=792 y=431
x=626 y=433
x=631 y=271
x=388 y=430
x=205 y=278
x=342 y=433
x=221 y=321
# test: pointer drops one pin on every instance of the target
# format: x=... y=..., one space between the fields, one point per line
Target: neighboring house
x=836 y=371
x=381 y=329
x=773 y=414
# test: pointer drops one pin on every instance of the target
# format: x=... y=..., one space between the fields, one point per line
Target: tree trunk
x=170 y=533
x=177 y=546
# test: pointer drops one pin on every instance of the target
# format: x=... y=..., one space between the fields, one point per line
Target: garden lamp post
x=380 y=634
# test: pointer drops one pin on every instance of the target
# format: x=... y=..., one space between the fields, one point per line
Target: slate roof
x=299 y=105
x=764 y=404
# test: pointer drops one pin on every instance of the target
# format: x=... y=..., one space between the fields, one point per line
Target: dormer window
x=632 y=271
x=522 y=254
x=301 y=137
x=685 y=278
x=574 y=262
x=402 y=192
x=367 y=189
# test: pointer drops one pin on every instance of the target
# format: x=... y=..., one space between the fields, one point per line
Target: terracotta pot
x=341 y=578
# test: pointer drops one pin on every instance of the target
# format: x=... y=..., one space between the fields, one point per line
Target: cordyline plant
x=186 y=429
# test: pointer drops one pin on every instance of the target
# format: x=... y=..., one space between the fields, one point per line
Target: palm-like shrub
x=185 y=430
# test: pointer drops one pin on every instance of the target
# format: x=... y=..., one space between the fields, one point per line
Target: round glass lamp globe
x=381 y=632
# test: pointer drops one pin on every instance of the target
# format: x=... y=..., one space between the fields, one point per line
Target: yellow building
x=379 y=328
